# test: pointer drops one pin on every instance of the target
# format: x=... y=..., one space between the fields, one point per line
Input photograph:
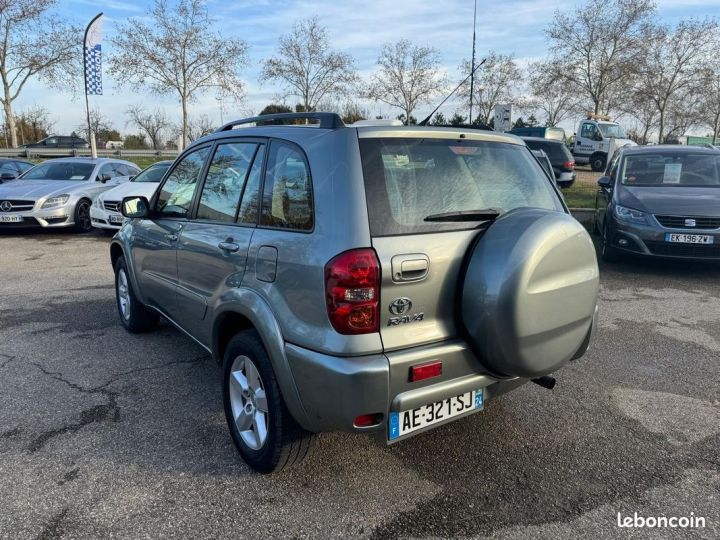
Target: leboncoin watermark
x=660 y=522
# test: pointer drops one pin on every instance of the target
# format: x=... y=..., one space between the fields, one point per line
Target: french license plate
x=11 y=219
x=404 y=422
x=685 y=238
x=116 y=219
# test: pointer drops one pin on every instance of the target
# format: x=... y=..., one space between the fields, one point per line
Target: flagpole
x=472 y=66
x=91 y=135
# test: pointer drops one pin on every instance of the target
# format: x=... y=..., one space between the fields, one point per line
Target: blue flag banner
x=93 y=57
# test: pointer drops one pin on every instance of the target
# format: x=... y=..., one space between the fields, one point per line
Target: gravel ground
x=106 y=434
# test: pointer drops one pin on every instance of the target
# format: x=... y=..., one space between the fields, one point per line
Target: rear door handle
x=412 y=267
x=230 y=247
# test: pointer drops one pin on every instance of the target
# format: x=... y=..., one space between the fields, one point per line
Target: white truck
x=597 y=138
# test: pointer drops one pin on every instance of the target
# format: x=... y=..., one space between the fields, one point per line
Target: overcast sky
x=359 y=28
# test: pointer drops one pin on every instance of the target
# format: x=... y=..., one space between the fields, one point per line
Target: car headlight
x=54 y=202
x=630 y=214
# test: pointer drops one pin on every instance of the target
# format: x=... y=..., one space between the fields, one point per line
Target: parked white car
x=59 y=192
x=105 y=211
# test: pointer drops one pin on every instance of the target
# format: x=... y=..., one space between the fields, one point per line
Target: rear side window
x=248 y=212
x=287 y=193
x=225 y=180
x=409 y=179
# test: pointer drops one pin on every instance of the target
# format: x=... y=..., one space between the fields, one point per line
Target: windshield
x=153 y=173
x=668 y=169
x=66 y=170
x=612 y=131
x=408 y=179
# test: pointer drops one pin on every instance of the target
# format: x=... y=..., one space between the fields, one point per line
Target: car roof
x=674 y=148
x=96 y=161
x=302 y=134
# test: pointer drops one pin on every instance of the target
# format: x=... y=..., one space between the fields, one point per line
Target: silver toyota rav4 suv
x=362 y=278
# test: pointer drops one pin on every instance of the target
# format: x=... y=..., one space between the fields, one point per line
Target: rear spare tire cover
x=529 y=292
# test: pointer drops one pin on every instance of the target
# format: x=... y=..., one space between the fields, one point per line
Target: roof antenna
x=427 y=119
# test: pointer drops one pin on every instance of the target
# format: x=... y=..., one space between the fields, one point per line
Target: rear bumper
x=335 y=390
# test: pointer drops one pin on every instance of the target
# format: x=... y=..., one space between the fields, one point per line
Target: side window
x=249 y=205
x=225 y=180
x=588 y=131
x=287 y=194
x=177 y=191
x=109 y=169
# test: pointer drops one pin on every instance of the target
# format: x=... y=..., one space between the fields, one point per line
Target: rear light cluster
x=568 y=165
x=352 y=291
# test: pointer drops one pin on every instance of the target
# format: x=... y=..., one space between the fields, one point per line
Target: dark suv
x=59 y=141
x=562 y=160
x=365 y=278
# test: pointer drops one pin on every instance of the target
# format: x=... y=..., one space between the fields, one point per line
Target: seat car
x=562 y=160
x=59 y=192
x=105 y=210
x=371 y=279
x=661 y=201
x=11 y=168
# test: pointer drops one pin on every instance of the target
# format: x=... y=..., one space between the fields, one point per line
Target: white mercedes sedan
x=105 y=211
x=59 y=192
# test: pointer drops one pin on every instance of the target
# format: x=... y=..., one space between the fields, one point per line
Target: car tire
x=273 y=439
x=598 y=162
x=135 y=317
x=83 y=223
x=607 y=252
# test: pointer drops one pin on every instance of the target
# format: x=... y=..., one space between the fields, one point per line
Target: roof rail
x=327 y=120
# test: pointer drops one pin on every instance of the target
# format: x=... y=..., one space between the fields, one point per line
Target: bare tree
x=710 y=97
x=550 y=95
x=178 y=51
x=152 y=123
x=35 y=123
x=597 y=45
x=495 y=83
x=643 y=112
x=33 y=42
x=408 y=75
x=307 y=67
x=100 y=124
x=199 y=127
x=672 y=62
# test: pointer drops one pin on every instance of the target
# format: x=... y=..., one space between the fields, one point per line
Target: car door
x=155 y=239
x=213 y=246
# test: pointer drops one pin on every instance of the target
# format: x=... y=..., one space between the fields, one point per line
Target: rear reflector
x=425 y=371
x=366 y=420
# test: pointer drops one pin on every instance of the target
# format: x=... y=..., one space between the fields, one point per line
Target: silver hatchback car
x=368 y=278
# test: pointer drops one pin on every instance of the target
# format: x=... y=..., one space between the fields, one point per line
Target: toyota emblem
x=400 y=306
x=5 y=206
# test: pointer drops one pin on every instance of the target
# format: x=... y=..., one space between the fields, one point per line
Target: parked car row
x=59 y=192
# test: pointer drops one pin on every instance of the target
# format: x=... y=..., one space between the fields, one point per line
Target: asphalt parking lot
x=106 y=434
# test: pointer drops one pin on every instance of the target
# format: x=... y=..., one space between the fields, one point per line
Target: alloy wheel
x=249 y=402
x=123 y=293
x=83 y=216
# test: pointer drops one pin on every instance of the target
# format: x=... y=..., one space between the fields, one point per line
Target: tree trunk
x=183 y=99
x=9 y=117
x=716 y=130
x=661 y=129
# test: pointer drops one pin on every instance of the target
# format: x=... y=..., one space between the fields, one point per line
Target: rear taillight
x=568 y=165
x=352 y=291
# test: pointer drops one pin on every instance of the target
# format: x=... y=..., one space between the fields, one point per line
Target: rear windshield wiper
x=486 y=214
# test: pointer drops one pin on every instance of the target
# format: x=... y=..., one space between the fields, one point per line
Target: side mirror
x=135 y=207
x=598 y=137
x=104 y=177
x=605 y=182
x=8 y=176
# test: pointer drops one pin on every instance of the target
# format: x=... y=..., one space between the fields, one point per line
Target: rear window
x=555 y=151
x=408 y=179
